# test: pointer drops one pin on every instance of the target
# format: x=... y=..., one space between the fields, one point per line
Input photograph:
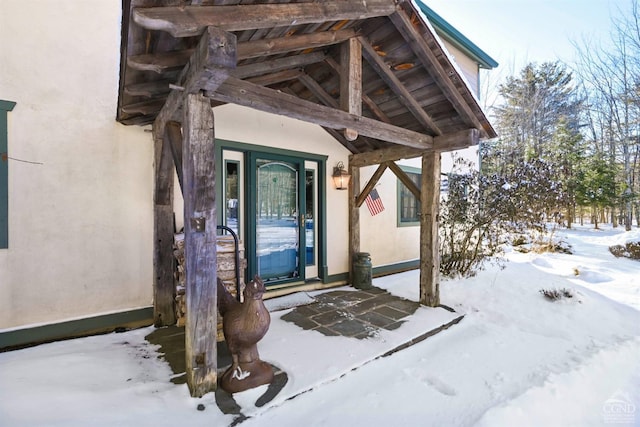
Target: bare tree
x=611 y=82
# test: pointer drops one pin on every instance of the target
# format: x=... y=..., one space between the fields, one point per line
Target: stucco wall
x=80 y=223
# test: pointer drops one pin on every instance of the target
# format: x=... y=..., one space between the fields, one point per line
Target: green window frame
x=407 y=204
x=5 y=107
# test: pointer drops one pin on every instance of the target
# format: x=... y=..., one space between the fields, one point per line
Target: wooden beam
x=429 y=60
x=279 y=64
x=394 y=83
x=383 y=155
x=456 y=140
x=375 y=109
x=165 y=61
x=372 y=106
x=447 y=142
x=149 y=89
x=160 y=62
x=351 y=82
x=173 y=136
x=266 y=47
x=209 y=65
x=429 y=241
x=318 y=91
x=187 y=21
x=371 y=184
x=354 y=217
x=264 y=99
x=279 y=77
x=404 y=178
x=164 y=313
x=200 y=245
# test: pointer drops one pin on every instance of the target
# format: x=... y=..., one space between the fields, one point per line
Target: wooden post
x=164 y=313
x=354 y=216
x=198 y=166
x=351 y=82
x=429 y=242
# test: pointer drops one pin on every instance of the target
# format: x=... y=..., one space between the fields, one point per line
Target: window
x=408 y=204
x=5 y=106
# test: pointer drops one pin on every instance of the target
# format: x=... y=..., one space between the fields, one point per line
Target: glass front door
x=278 y=238
x=272 y=202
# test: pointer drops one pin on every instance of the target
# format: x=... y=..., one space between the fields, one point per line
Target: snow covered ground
x=516 y=359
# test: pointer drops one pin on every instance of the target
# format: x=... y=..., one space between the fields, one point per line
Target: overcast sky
x=515 y=32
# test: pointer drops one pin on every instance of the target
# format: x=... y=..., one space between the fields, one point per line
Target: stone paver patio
x=358 y=314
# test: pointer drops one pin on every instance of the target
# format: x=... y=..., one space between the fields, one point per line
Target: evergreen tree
x=596 y=185
x=538 y=124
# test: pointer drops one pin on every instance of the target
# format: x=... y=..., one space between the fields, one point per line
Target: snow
x=516 y=359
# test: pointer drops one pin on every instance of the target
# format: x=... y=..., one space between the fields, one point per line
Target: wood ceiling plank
x=404 y=96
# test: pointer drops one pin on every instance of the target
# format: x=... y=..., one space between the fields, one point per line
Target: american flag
x=374 y=202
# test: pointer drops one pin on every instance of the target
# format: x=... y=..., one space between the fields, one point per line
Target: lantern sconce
x=341 y=177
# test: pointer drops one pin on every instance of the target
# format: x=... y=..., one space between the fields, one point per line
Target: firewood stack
x=226 y=272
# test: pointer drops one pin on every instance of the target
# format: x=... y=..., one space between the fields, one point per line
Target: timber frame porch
x=372 y=73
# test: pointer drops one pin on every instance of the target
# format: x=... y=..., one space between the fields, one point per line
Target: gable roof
x=457 y=39
x=289 y=62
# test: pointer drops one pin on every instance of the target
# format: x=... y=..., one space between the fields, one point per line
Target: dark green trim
x=252 y=150
x=224 y=144
x=385 y=270
x=323 y=267
x=28 y=336
x=334 y=278
x=5 y=106
x=222 y=202
x=399 y=223
x=456 y=38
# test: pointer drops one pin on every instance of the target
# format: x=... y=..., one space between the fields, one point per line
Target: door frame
x=252 y=150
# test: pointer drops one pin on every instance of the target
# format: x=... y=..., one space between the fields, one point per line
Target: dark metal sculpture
x=244 y=324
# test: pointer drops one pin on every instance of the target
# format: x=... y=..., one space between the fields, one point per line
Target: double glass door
x=281 y=211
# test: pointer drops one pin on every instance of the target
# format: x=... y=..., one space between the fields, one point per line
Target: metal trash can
x=361 y=270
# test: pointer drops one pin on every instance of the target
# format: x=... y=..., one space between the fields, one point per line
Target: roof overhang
x=372 y=73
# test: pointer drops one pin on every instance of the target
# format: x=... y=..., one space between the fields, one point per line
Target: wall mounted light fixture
x=341 y=177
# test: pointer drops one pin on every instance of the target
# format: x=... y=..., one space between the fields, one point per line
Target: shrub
x=629 y=250
x=556 y=294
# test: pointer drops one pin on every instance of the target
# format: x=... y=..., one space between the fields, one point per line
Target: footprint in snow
x=431 y=381
x=441 y=386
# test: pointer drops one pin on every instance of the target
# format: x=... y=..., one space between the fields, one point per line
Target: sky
x=515 y=32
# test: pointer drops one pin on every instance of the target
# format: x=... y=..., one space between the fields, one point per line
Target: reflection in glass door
x=277 y=219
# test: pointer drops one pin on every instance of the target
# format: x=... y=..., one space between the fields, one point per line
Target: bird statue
x=244 y=324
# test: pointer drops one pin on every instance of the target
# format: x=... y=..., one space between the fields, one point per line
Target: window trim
x=399 y=185
x=5 y=107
